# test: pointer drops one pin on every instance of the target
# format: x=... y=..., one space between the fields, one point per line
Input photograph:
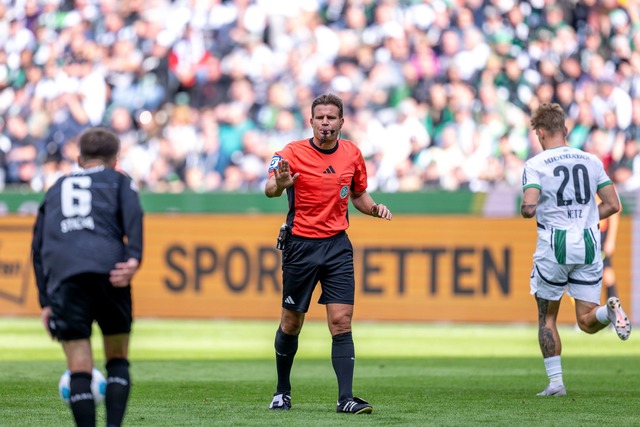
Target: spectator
x=187 y=58
x=254 y=66
x=204 y=168
x=626 y=171
x=611 y=98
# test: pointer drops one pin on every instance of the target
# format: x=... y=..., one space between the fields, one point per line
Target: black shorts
x=87 y=297
x=305 y=262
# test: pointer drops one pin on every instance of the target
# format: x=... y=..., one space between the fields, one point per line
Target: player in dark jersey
x=87 y=245
x=319 y=175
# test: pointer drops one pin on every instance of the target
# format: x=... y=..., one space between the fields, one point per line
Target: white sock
x=602 y=314
x=553 y=365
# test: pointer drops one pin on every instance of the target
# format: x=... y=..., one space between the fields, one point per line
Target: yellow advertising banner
x=413 y=268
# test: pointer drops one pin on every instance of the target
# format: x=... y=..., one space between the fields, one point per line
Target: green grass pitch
x=222 y=373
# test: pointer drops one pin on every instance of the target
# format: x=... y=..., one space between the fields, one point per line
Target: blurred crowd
x=438 y=93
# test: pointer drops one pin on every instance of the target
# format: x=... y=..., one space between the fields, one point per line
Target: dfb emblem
x=344 y=191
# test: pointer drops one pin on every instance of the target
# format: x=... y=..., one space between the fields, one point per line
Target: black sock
x=81 y=399
x=286 y=347
x=117 y=394
x=611 y=291
x=343 y=360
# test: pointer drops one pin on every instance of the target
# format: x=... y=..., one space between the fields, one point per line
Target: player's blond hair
x=550 y=117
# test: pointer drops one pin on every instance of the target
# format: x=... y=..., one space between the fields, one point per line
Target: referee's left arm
x=365 y=204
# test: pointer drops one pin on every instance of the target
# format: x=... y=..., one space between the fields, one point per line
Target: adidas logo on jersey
x=289 y=300
x=329 y=170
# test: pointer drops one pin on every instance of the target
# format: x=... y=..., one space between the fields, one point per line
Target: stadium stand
x=203 y=92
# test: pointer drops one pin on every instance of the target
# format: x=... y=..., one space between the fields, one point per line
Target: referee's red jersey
x=319 y=199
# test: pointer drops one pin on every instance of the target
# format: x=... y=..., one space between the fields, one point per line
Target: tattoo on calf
x=547 y=343
x=545 y=335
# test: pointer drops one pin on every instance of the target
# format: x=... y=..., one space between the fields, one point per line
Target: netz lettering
x=463 y=270
x=574 y=213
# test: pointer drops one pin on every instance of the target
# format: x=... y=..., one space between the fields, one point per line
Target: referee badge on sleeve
x=274 y=162
x=344 y=191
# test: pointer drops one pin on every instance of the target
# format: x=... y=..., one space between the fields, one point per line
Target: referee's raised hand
x=284 y=179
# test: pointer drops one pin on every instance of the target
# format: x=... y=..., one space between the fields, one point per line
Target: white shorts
x=582 y=281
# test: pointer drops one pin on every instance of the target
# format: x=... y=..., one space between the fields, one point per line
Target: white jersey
x=567 y=212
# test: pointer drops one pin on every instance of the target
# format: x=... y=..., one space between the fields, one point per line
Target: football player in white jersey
x=560 y=185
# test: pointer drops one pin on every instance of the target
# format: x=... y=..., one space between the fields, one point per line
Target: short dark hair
x=99 y=143
x=550 y=117
x=328 y=99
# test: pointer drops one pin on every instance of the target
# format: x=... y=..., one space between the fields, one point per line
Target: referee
x=319 y=175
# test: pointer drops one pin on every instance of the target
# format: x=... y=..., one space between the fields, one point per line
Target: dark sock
x=343 y=360
x=81 y=399
x=117 y=394
x=611 y=291
x=286 y=347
